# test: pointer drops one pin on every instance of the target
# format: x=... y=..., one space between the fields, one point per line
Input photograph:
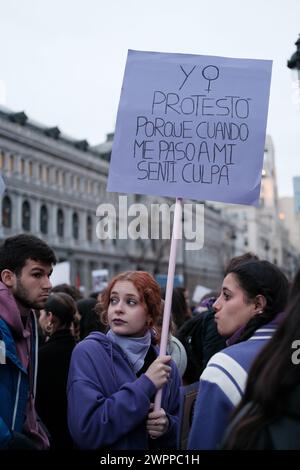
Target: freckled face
x=232 y=308
x=127 y=314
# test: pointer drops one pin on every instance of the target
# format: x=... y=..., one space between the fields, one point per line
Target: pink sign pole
x=169 y=289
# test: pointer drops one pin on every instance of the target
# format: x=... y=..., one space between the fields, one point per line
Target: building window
x=89 y=186
x=57 y=177
x=6 y=212
x=75 y=226
x=117 y=269
x=89 y=228
x=22 y=166
x=96 y=189
x=26 y=216
x=44 y=220
x=45 y=174
x=2 y=158
x=76 y=183
x=30 y=169
x=11 y=163
x=60 y=223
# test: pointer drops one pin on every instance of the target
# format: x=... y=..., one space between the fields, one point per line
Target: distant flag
x=77 y=281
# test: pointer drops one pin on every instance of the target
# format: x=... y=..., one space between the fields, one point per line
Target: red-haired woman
x=114 y=377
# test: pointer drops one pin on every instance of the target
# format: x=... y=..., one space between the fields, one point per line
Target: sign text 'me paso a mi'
x=191 y=126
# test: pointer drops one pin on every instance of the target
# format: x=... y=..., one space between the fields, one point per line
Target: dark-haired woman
x=90 y=319
x=247 y=313
x=54 y=361
x=268 y=417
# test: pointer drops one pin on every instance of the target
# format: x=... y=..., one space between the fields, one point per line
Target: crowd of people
x=83 y=373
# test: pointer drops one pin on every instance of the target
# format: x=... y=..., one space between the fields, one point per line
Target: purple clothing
x=108 y=405
x=10 y=313
x=236 y=335
x=25 y=342
x=222 y=386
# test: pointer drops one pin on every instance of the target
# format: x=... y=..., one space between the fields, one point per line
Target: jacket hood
x=9 y=311
x=106 y=343
x=112 y=349
x=101 y=338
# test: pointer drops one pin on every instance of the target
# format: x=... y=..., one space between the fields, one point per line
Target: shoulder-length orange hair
x=147 y=287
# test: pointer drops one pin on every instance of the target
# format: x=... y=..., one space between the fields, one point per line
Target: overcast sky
x=62 y=61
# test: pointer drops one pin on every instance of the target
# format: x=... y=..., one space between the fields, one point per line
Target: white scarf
x=134 y=348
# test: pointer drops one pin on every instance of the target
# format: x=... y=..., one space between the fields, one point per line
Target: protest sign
x=191 y=126
x=61 y=273
x=99 y=279
x=162 y=280
x=199 y=292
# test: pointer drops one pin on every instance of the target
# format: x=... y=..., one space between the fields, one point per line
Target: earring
x=260 y=312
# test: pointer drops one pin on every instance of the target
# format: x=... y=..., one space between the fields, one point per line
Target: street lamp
x=294 y=64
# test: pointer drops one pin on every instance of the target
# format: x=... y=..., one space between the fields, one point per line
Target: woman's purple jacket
x=108 y=405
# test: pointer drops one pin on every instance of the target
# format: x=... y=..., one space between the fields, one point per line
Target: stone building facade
x=54 y=185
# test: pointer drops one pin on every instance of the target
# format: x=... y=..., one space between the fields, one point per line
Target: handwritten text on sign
x=191 y=126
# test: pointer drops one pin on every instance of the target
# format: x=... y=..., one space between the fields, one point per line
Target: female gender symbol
x=211 y=73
